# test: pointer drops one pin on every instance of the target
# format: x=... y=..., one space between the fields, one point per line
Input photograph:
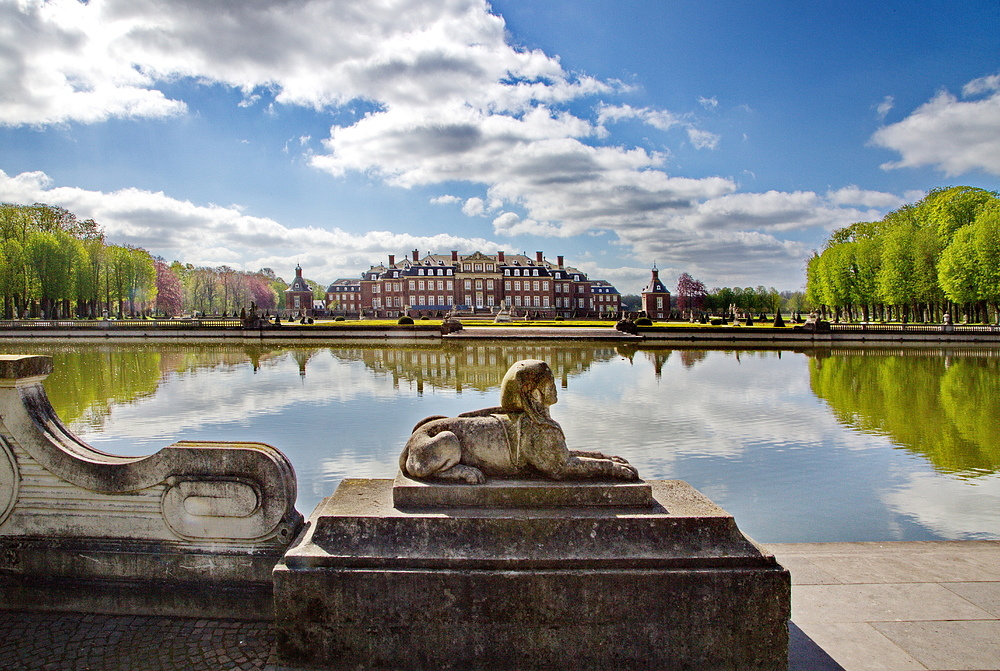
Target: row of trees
x=53 y=265
x=940 y=254
x=221 y=290
x=693 y=297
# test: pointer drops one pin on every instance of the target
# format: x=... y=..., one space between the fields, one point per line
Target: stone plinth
x=602 y=582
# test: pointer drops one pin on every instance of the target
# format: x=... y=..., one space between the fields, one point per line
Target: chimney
x=560 y=259
x=454 y=256
x=416 y=256
x=538 y=257
x=500 y=258
x=392 y=260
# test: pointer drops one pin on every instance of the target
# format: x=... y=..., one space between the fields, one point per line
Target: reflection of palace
x=479 y=367
x=440 y=283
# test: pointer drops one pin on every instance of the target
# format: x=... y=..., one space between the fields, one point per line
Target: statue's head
x=529 y=387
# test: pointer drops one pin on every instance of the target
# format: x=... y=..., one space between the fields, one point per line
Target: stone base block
x=672 y=586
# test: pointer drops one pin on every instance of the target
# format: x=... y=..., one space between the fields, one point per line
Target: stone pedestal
x=534 y=576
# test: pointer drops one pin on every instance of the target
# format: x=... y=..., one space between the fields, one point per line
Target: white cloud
x=510 y=224
x=885 y=106
x=659 y=119
x=473 y=207
x=853 y=195
x=956 y=137
x=709 y=103
x=981 y=85
x=702 y=139
x=212 y=235
x=448 y=99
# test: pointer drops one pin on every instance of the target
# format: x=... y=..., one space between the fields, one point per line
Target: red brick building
x=439 y=283
x=298 y=296
x=656 y=298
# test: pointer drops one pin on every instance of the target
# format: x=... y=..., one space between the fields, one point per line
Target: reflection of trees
x=941 y=404
x=89 y=380
x=479 y=366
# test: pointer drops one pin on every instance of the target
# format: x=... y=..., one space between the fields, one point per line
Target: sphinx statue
x=517 y=439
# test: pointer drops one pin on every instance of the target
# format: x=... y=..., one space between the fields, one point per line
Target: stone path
x=75 y=642
x=855 y=607
x=894 y=606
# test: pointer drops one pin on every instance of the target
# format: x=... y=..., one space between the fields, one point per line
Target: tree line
x=938 y=255
x=56 y=266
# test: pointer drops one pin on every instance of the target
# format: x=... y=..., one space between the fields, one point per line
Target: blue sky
x=723 y=139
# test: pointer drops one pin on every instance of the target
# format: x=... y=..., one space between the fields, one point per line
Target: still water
x=806 y=445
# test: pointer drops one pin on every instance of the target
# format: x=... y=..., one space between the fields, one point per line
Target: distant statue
x=517 y=439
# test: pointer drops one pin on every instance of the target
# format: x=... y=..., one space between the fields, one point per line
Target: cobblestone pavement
x=79 y=642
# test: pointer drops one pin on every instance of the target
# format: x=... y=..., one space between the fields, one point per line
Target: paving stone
x=880 y=603
x=948 y=645
x=986 y=595
x=858 y=646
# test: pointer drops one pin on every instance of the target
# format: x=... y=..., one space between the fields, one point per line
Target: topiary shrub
x=716 y=321
x=643 y=321
x=560 y=318
x=425 y=318
x=404 y=320
x=338 y=319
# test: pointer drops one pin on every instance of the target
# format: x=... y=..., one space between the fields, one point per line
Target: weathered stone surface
x=208 y=514
x=518 y=438
x=15 y=366
x=518 y=493
x=677 y=585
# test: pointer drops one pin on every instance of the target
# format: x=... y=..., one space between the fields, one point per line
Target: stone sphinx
x=517 y=439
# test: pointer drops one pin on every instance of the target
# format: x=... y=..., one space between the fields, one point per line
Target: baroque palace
x=439 y=283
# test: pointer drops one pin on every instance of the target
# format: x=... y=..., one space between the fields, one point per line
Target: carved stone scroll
x=192 y=512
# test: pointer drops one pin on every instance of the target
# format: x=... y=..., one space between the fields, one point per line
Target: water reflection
x=942 y=405
x=799 y=445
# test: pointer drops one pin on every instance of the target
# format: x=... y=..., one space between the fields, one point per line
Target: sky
x=724 y=139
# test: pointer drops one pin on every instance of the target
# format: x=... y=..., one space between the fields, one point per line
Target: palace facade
x=484 y=283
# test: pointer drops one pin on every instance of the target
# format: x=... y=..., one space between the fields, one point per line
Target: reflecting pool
x=804 y=445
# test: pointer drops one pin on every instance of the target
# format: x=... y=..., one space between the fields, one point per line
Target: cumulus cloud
x=447 y=99
x=954 y=136
x=473 y=207
x=853 y=195
x=211 y=235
